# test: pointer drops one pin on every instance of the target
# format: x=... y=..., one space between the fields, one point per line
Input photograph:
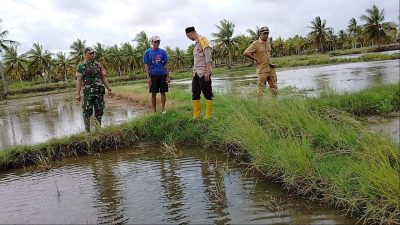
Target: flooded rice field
x=37 y=119
x=341 y=78
x=123 y=186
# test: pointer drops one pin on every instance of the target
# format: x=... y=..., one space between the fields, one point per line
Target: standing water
x=127 y=186
x=36 y=119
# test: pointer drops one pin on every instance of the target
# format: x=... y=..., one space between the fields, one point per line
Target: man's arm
x=207 y=55
x=104 y=79
x=78 y=87
x=249 y=53
x=166 y=66
x=147 y=70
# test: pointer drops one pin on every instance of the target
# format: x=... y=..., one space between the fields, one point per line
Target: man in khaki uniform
x=260 y=52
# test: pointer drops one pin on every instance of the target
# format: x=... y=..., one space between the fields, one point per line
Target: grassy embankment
x=30 y=88
x=362 y=50
x=314 y=146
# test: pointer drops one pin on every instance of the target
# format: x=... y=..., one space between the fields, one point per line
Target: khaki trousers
x=272 y=80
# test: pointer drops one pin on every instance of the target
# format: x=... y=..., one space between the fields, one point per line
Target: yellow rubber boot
x=209 y=109
x=196 y=109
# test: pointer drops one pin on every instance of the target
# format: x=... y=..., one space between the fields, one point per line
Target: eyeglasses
x=91 y=53
x=265 y=33
x=156 y=41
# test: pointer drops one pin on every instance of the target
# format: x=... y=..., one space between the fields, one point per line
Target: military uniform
x=93 y=89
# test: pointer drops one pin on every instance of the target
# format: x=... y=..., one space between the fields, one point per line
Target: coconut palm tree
x=178 y=59
x=278 y=49
x=375 y=28
x=254 y=34
x=354 y=31
x=299 y=44
x=101 y=53
x=15 y=63
x=342 y=39
x=319 y=33
x=243 y=42
x=131 y=57
x=63 y=64
x=224 y=39
x=77 y=49
x=143 y=42
x=40 y=60
x=4 y=45
x=115 y=58
x=331 y=40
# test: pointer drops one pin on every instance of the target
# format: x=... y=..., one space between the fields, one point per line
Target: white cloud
x=57 y=23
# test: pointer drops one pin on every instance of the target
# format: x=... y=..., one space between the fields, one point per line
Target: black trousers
x=200 y=85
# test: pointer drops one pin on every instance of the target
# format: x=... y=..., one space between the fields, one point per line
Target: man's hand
x=110 y=93
x=78 y=97
x=257 y=62
x=206 y=77
x=149 y=81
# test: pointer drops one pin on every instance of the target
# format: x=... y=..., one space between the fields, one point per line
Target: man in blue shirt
x=157 y=72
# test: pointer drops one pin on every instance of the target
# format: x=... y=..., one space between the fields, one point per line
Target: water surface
x=37 y=119
x=126 y=187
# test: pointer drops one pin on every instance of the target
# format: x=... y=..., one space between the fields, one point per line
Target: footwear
x=164 y=111
x=209 y=109
x=196 y=109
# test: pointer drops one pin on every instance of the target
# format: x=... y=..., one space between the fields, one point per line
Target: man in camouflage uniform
x=92 y=76
x=260 y=51
x=201 y=81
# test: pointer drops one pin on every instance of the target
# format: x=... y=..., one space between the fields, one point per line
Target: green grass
x=389 y=47
x=376 y=100
x=315 y=147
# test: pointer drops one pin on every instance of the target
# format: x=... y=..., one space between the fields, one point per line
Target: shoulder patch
x=203 y=42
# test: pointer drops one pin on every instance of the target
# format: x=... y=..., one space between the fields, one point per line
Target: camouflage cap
x=264 y=29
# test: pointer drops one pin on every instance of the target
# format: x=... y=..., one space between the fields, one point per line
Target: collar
x=85 y=61
x=261 y=42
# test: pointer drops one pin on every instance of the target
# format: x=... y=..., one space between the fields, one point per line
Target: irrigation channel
x=37 y=119
x=143 y=187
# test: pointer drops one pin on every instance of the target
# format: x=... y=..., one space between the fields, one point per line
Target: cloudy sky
x=57 y=23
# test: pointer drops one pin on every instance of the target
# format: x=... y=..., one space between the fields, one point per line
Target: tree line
x=227 y=49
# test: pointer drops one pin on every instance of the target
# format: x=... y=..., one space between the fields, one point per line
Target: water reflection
x=172 y=190
x=109 y=200
x=37 y=119
x=122 y=187
x=387 y=127
x=342 y=77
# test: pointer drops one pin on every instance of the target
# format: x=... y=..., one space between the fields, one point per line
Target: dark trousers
x=200 y=85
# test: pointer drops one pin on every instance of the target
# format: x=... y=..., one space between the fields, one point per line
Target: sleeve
x=207 y=55
x=79 y=71
x=203 y=42
x=251 y=48
x=146 y=57
x=166 y=60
